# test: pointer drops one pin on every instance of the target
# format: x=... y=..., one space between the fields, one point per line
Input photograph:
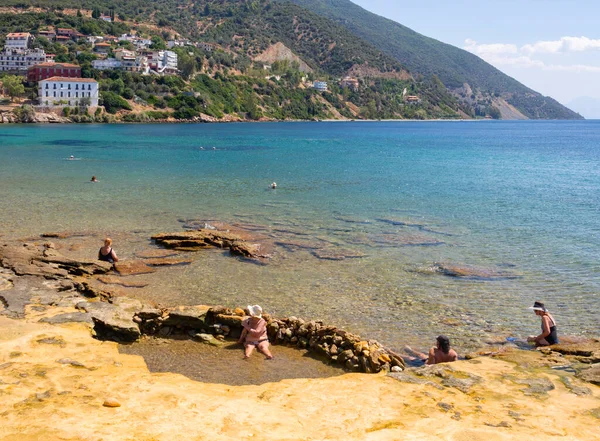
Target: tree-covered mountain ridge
x=232 y=80
x=469 y=77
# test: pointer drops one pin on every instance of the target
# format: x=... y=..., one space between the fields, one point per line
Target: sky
x=551 y=46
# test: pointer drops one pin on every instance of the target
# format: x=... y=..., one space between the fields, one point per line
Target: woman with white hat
x=549 y=335
x=255 y=333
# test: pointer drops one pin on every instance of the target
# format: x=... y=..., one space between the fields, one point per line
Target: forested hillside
x=428 y=56
x=231 y=81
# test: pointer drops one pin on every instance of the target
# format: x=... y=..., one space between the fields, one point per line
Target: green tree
x=13 y=86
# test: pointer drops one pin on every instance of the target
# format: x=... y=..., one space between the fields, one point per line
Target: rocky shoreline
x=58 y=314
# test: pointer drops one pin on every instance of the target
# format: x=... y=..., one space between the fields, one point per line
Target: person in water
x=549 y=335
x=441 y=353
x=94 y=179
x=106 y=253
x=274 y=185
x=254 y=334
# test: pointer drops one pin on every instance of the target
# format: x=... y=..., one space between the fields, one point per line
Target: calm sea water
x=516 y=199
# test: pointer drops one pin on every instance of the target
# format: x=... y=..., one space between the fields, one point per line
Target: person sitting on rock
x=254 y=333
x=106 y=253
x=549 y=335
x=441 y=353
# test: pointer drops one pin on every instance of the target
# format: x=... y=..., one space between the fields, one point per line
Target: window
x=61 y=94
x=69 y=86
x=46 y=85
x=54 y=94
x=69 y=94
x=55 y=85
x=76 y=94
x=76 y=86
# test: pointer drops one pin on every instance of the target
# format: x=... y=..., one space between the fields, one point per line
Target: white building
x=64 y=92
x=19 y=60
x=178 y=43
x=106 y=64
x=162 y=61
x=321 y=86
x=18 y=40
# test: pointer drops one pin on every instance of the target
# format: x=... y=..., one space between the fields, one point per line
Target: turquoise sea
x=516 y=201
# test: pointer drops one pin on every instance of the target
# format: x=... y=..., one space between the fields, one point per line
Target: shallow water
x=516 y=199
x=225 y=364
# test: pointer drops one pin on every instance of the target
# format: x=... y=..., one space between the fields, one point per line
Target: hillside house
x=102 y=48
x=18 y=40
x=50 y=69
x=106 y=64
x=412 y=99
x=162 y=62
x=349 y=83
x=49 y=33
x=19 y=60
x=62 y=92
x=321 y=86
x=178 y=43
x=208 y=47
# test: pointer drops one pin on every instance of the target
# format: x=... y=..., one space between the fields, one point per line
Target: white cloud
x=509 y=55
x=565 y=44
x=472 y=46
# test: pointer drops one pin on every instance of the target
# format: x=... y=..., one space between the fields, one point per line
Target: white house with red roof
x=68 y=92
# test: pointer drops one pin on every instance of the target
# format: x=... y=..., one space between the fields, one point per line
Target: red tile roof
x=18 y=34
x=71 y=80
x=53 y=64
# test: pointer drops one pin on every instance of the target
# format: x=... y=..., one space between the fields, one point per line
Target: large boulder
x=193 y=317
x=111 y=322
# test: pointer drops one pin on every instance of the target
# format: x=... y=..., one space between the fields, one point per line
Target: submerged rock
x=133 y=267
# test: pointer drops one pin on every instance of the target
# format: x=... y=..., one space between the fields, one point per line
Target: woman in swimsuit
x=549 y=335
x=106 y=253
x=255 y=333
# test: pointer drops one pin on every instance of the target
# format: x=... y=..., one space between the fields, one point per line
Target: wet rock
x=111 y=322
x=156 y=254
x=52 y=341
x=133 y=267
x=463 y=271
x=591 y=375
x=337 y=254
x=114 y=280
x=149 y=313
x=167 y=261
x=208 y=339
x=64 y=234
x=585 y=352
x=70 y=317
x=187 y=317
x=535 y=386
x=75 y=267
x=229 y=320
x=71 y=362
x=245 y=249
x=24 y=289
x=93 y=288
x=445 y=406
x=577 y=390
x=406 y=377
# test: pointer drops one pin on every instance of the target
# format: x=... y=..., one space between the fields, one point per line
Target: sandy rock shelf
x=55 y=382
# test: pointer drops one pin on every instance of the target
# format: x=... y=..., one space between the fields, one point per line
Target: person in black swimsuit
x=106 y=253
x=549 y=335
